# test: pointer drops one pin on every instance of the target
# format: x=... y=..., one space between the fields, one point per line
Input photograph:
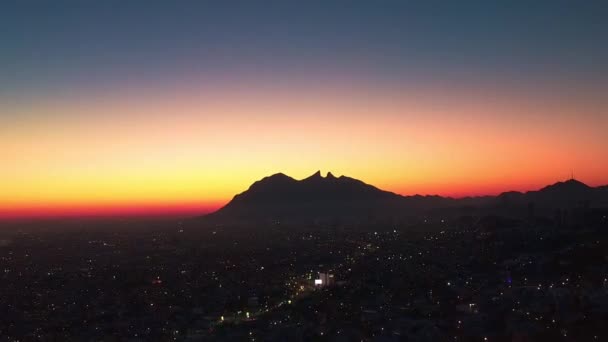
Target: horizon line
x=183 y=211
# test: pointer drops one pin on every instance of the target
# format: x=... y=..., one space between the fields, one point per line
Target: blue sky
x=76 y=44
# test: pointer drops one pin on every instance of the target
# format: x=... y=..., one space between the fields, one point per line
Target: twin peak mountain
x=280 y=198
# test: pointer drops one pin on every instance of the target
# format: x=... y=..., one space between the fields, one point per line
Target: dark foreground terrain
x=465 y=279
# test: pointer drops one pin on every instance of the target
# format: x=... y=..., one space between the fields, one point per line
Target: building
x=325 y=279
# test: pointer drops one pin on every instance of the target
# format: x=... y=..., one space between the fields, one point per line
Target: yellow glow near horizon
x=194 y=149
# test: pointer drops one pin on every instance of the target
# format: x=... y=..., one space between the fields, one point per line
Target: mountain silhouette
x=280 y=198
x=570 y=186
x=566 y=194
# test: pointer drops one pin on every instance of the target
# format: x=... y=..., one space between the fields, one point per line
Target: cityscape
x=368 y=171
x=435 y=278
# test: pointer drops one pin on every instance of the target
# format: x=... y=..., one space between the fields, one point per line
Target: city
x=368 y=171
x=457 y=279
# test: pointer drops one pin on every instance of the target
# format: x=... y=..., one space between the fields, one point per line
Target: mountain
x=569 y=186
x=571 y=193
x=280 y=198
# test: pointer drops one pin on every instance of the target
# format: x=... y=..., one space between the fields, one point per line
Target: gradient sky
x=123 y=107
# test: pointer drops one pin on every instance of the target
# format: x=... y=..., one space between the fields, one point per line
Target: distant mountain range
x=281 y=198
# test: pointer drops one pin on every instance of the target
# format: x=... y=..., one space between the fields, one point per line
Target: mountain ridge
x=314 y=198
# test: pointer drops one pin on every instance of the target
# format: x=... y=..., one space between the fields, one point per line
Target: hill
x=280 y=198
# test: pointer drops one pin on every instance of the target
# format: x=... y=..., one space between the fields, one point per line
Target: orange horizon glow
x=191 y=150
x=113 y=211
x=180 y=210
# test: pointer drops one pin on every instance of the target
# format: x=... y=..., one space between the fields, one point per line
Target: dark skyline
x=158 y=158
x=161 y=106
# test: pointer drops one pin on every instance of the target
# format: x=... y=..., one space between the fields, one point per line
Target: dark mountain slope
x=344 y=199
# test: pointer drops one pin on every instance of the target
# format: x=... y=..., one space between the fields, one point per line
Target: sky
x=173 y=107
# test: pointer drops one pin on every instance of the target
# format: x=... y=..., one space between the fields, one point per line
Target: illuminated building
x=325 y=279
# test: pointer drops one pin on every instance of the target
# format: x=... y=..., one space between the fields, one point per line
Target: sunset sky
x=143 y=107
